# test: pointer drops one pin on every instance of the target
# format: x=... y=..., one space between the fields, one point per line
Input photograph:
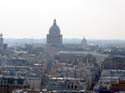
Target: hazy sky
x=95 y=19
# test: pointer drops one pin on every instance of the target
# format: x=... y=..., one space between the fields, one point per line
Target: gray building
x=54 y=38
x=84 y=43
x=54 y=41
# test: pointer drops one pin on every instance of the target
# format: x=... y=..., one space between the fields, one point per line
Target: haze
x=94 y=19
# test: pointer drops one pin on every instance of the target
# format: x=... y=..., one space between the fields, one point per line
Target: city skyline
x=94 y=19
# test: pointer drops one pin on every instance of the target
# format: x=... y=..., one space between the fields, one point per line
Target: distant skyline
x=94 y=19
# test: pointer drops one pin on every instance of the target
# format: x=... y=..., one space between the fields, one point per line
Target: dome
x=54 y=38
x=84 y=41
x=54 y=29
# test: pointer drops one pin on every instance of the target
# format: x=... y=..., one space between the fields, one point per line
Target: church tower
x=54 y=38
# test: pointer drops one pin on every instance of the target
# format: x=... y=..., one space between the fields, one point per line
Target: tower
x=54 y=38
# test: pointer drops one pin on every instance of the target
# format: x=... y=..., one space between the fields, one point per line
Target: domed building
x=54 y=41
x=54 y=38
x=84 y=42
